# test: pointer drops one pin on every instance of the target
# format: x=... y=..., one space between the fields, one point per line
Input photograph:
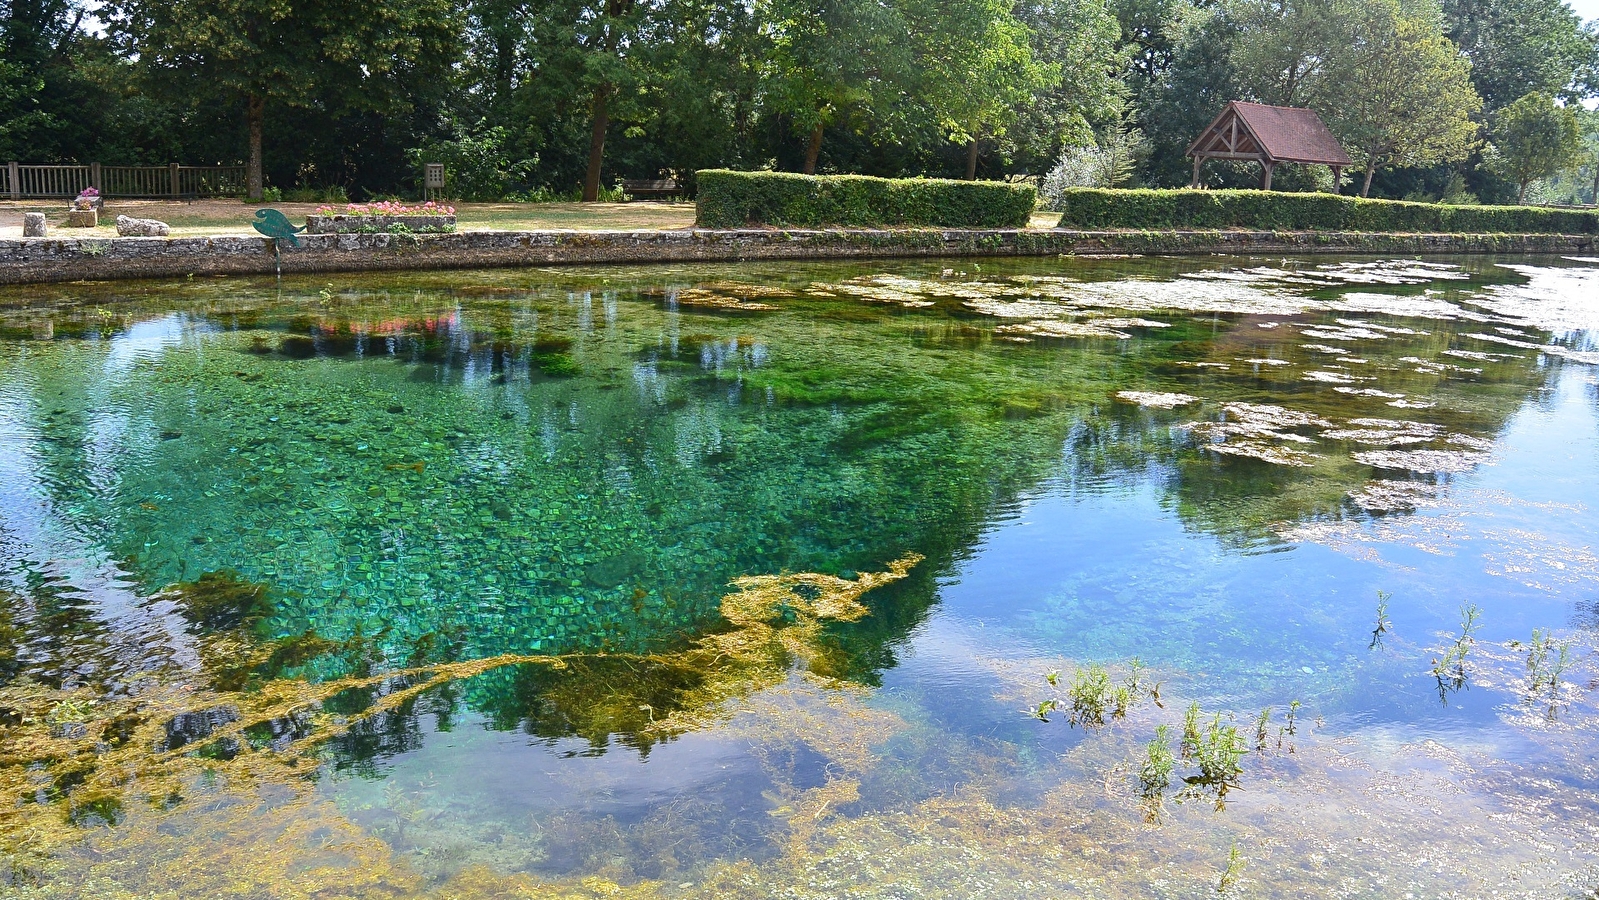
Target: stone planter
x=370 y=224
x=83 y=218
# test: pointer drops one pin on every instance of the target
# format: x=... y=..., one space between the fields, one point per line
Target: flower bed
x=367 y=218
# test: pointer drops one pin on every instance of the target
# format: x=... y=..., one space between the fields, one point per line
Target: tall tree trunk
x=602 y=121
x=1371 y=169
x=971 y=160
x=1521 y=193
x=813 y=150
x=253 y=182
x=1595 y=198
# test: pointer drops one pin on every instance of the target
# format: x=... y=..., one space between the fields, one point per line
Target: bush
x=477 y=166
x=1187 y=208
x=733 y=199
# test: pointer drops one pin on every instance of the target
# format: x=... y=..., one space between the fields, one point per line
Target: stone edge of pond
x=40 y=260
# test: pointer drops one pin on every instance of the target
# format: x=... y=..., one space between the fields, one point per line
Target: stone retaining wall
x=36 y=260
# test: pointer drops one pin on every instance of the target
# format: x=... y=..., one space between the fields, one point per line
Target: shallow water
x=421 y=585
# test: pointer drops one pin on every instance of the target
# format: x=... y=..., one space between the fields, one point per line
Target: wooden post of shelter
x=1268 y=135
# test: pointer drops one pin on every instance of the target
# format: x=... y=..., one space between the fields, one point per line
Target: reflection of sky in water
x=1197 y=496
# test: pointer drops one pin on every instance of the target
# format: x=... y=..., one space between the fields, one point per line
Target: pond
x=1115 y=577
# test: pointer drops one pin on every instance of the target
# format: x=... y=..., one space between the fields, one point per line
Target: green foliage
x=1183 y=208
x=1234 y=871
x=1092 y=698
x=734 y=199
x=1450 y=667
x=1402 y=95
x=1154 y=775
x=1547 y=660
x=1190 y=743
x=477 y=166
x=355 y=56
x=1520 y=46
x=980 y=68
x=1535 y=139
x=1219 y=753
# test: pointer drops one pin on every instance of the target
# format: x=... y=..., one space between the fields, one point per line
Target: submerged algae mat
x=418 y=586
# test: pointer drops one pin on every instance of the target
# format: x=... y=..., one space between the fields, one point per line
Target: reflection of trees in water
x=829 y=472
x=813 y=445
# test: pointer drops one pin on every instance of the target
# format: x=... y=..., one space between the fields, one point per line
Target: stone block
x=83 y=218
x=33 y=225
x=127 y=226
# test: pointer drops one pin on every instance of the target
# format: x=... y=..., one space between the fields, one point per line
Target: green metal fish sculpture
x=276 y=225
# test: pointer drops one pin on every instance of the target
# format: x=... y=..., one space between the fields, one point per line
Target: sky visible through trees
x=564 y=98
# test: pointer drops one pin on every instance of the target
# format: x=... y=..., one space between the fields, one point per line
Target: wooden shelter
x=1269 y=135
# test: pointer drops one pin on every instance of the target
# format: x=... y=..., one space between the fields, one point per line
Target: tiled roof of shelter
x=1283 y=133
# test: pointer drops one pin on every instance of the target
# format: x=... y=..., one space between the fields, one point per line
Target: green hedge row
x=1186 y=208
x=729 y=199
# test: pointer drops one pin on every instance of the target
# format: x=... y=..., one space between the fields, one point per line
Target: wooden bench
x=647 y=189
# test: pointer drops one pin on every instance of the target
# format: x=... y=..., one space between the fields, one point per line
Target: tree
x=1520 y=46
x=1290 y=52
x=979 y=68
x=1190 y=92
x=1535 y=138
x=1400 y=95
x=50 y=104
x=830 y=58
x=1078 y=40
x=1590 y=149
x=358 y=55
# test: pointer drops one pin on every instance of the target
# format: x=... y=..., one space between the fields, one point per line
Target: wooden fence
x=19 y=182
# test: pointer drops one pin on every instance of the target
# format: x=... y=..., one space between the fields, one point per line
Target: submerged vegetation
x=76 y=757
x=418 y=587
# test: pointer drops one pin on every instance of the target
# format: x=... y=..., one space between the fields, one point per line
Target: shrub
x=1187 y=208
x=733 y=199
x=477 y=166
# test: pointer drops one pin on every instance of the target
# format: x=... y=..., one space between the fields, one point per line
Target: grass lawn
x=205 y=217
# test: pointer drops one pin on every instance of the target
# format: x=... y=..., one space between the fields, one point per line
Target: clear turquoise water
x=461 y=465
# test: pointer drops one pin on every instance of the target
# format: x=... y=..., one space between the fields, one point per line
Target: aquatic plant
x=1190 y=742
x=1262 y=725
x=1291 y=726
x=1220 y=753
x=1154 y=776
x=1092 y=698
x=1089 y=696
x=1384 y=626
x=1449 y=668
x=1543 y=672
x=1233 y=872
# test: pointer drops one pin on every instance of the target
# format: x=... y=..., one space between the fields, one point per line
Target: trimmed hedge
x=730 y=199
x=1188 y=208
